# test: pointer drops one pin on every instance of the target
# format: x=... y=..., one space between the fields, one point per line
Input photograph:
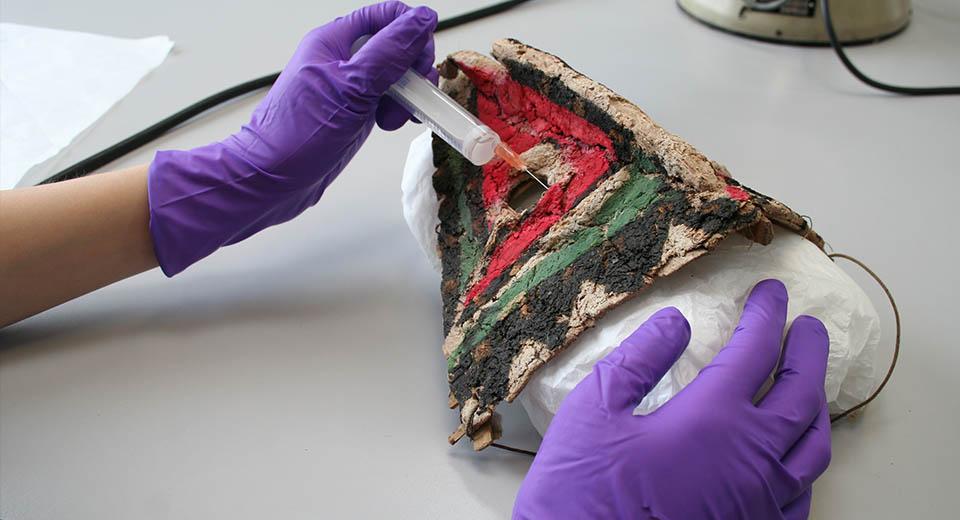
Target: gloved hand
x=709 y=452
x=303 y=133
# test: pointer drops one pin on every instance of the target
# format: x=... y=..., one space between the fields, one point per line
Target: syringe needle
x=462 y=130
x=513 y=159
x=534 y=177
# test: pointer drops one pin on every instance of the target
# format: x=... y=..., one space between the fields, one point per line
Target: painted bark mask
x=627 y=202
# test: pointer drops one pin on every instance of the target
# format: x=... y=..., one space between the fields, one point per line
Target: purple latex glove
x=709 y=452
x=303 y=133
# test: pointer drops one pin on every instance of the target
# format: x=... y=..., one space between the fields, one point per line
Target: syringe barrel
x=453 y=123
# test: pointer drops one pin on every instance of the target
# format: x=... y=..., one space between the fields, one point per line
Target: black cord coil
x=907 y=91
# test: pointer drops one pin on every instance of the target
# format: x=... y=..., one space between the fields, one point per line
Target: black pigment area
x=556 y=91
x=450 y=183
x=620 y=264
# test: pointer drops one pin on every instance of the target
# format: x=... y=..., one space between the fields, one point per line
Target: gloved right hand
x=708 y=453
x=300 y=137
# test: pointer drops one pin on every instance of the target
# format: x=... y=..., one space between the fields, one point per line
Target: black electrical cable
x=149 y=134
x=472 y=16
x=118 y=150
x=909 y=91
x=141 y=138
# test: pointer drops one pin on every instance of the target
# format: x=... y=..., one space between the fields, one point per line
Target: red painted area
x=737 y=193
x=524 y=118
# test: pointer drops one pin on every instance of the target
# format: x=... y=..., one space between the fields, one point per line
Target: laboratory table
x=299 y=375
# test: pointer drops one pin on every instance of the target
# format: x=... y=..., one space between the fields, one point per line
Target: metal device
x=801 y=22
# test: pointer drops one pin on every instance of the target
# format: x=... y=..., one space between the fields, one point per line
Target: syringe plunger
x=453 y=123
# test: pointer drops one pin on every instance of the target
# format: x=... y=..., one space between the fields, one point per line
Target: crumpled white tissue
x=54 y=84
x=710 y=291
x=419 y=200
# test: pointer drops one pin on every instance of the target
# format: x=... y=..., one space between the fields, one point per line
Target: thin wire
x=896 y=342
x=909 y=91
x=534 y=177
x=149 y=134
x=514 y=450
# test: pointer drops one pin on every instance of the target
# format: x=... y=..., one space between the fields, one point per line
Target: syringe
x=453 y=123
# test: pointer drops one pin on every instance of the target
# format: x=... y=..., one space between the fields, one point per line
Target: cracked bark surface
x=628 y=202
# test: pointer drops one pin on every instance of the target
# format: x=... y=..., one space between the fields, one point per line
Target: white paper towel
x=54 y=84
x=710 y=291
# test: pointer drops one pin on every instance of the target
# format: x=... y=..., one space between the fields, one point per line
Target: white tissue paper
x=54 y=84
x=710 y=291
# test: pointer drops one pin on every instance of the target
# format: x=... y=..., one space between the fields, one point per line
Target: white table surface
x=298 y=375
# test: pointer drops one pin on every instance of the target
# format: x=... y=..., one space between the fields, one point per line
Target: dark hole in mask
x=526 y=193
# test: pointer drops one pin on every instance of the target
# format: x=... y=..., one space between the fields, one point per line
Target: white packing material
x=419 y=199
x=54 y=84
x=710 y=291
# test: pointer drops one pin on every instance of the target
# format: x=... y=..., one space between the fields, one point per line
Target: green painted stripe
x=621 y=208
x=470 y=246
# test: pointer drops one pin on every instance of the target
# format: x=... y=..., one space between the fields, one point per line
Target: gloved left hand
x=309 y=126
x=710 y=452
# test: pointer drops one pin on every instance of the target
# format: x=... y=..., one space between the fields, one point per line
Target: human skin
x=60 y=241
x=64 y=240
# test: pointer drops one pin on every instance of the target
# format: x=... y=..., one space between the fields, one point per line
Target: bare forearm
x=64 y=240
